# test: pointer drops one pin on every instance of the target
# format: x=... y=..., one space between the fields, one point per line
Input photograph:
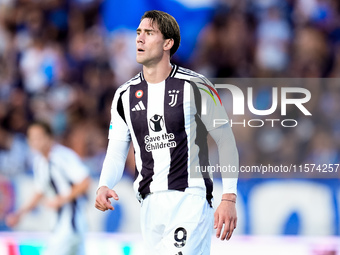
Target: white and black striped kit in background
x=58 y=174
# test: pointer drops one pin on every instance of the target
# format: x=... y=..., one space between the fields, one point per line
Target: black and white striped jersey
x=58 y=174
x=168 y=131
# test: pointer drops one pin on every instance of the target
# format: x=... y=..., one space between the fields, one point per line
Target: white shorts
x=176 y=223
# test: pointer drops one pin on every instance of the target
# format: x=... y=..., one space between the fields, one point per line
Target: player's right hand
x=12 y=219
x=103 y=198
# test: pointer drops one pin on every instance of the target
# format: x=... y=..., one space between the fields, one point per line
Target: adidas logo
x=138 y=107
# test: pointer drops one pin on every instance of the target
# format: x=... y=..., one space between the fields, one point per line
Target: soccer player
x=60 y=169
x=161 y=111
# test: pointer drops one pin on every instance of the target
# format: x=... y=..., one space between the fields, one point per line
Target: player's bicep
x=212 y=111
x=118 y=127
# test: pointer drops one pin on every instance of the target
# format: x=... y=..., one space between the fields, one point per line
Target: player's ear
x=168 y=43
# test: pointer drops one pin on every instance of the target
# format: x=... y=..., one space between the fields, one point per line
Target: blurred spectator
x=40 y=65
x=14 y=151
x=310 y=53
x=122 y=55
x=273 y=36
x=224 y=46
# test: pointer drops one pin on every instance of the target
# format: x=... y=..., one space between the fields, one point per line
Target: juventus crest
x=173 y=95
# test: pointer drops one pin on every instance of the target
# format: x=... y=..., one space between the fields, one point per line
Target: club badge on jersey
x=173 y=94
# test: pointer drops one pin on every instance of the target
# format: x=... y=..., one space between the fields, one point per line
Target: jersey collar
x=172 y=73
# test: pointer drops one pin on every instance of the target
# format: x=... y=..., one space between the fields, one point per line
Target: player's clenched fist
x=102 y=200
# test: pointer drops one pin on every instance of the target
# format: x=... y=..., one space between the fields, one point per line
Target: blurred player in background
x=59 y=168
x=169 y=136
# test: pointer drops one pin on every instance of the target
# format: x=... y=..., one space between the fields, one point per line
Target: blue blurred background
x=61 y=61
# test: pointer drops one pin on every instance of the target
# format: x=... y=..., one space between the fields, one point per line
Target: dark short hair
x=167 y=25
x=44 y=125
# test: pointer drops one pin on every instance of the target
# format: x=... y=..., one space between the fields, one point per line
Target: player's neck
x=157 y=73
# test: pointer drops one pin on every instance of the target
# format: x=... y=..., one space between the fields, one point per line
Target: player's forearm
x=228 y=157
x=78 y=189
x=229 y=185
x=31 y=204
x=113 y=166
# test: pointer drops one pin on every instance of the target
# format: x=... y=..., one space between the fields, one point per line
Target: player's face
x=38 y=139
x=150 y=43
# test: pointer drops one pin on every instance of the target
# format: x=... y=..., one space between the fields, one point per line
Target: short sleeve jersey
x=63 y=169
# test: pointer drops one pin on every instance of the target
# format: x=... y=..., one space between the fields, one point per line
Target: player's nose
x=140 y=38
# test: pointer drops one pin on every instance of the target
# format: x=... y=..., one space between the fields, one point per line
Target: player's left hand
x=226 y=215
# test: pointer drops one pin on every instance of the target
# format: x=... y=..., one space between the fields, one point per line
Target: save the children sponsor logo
x=161 y=141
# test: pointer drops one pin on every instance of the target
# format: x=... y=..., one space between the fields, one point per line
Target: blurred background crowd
x=60 y=62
